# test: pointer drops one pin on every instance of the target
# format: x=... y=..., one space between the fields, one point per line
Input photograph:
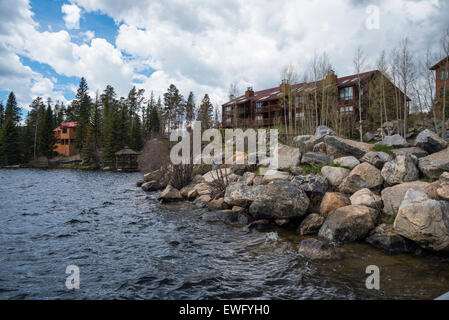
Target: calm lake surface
x=128 y=246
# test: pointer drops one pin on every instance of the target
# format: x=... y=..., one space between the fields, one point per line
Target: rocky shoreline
x=337 y=191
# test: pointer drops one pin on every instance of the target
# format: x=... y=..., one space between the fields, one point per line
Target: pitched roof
x=67 y=124
x=125 y=150
x=274 y=93
x=439 y=63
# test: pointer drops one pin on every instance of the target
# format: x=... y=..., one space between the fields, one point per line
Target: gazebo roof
x=126 y=151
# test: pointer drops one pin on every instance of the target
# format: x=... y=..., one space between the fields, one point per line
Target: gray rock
x=364 y=175
x=226 y=216
x=401 y=169
x=348 y=162
x=170 y=194
x=302 y=139
x=273 y=175
x=430 y=141
x=377 y=159
x=367 y=198
x=320 y=147
x=435 y=164
x=317 y=158
x=348 y=224
x=239 y=194
x=247 y=178
x=368 y=136
x=423 y=220
x=315 y=249
x=322 y=131
x=202 y=201
x=334 y=175
x=279 y=200
x=311 y=184
x=386 y=238
x=394 y=141
x=414 y=151
x=260 y=225
x=311 y=224
x=339 y=147
x=150 y=186
x=443 y=187
x=216 y=174
x=286 y=157
x=393 y=196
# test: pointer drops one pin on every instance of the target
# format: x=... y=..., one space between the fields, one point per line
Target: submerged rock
x=423 y=220
x=315 y=249
x=348 y=224
x=226 y=216
x=386 y=238
x=311 y=224
x=150 y=186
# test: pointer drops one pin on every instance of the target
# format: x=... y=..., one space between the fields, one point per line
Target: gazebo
x=126 y=159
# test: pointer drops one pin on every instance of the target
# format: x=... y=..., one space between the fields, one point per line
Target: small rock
x=150 y=186
x=259 y=225
x=377 y=159
x=216 y=204
x=322 y=131
x=312 y=183
x=317 y=158
x=247 y=178
x=319 y=147
x=348 y=162
x=413 y=151
x=394 y=141
x=367 y=198
x=202 y=201
x=334 y=175
x=332 y=201
x=272 y=175
x=170 y=194
x=364 y=175
x=311 y=224
x=401 y=169
x=140 y=182
x=368 y=136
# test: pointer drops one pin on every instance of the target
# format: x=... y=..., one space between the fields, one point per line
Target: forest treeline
x=105 y=123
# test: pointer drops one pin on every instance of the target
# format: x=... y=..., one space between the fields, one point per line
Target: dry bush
x=218 y=186
x=155 y=154
x=181 y=175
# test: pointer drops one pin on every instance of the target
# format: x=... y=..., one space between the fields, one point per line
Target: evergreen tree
x=82 y=110
x=205 y=112
x=47 y=139
x=173 y=108
x=155 y=124
x=190 y=109
x=2 y=114
x=9 y=135
x=136 y=141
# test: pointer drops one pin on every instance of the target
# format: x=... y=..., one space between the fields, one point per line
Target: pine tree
x=47 y=139
x=155 y=124
x=205 y=112
x=9 y=135
x=173 y=108
x=190 y=109
x=82 y=110
x=136 y=141
x=2 y=114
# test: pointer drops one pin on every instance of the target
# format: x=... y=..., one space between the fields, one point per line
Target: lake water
x=128 y=246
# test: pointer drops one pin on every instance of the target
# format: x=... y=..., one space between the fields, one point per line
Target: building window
x=64 y=130
x=228 y=120
x=444 y=74
x=259 y=105
x=300 y=115
x=347 y=109
x=259 y=118
x=346 y=93
x=228 y=109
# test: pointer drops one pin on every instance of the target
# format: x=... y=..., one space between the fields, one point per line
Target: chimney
x=331 y=77
x=249 y=92
x=284 y=85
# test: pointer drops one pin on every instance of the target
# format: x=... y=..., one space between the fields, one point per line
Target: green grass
x=337 y=165
x=312 y=168
x=383 y=148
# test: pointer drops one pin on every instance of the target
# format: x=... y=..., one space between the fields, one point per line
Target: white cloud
x=72 y=15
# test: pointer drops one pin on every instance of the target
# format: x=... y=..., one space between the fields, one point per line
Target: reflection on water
x=128 y=246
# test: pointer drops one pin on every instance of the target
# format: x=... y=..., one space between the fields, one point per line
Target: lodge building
x=265 y=107
x=65 y=135
x=441 y=76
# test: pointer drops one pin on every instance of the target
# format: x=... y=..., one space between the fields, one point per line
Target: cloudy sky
x=200 y=46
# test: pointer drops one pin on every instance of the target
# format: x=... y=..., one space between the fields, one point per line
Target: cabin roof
x=274 y=93
x=439 y=63
x=126 y=151
x=68 y=124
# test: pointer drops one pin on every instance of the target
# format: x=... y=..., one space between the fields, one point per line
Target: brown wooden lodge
x=265 y=107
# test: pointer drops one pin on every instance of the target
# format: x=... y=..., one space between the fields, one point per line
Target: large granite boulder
x=316 y=158
x=393 y=196
x=305 y=143
x=239 y=194
x=311 y=224
x=367 y=198
x=273 y=175
x=364 y=175
x=170 y=194
x=332 y=201
x=377 y=159
x=435 y=164
x=394 y=141
x=348 y=224
x=413 y=151
x=312 y=183
x=334 y=175
x=286 y=157
x=423 y=220
x=247 y=178
x=443 y=188
x=279 y=200
x=340 y=147
x=386 y=238
x=401 y=169
x=315 y=249
x=347 y=162
x=430 y=141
